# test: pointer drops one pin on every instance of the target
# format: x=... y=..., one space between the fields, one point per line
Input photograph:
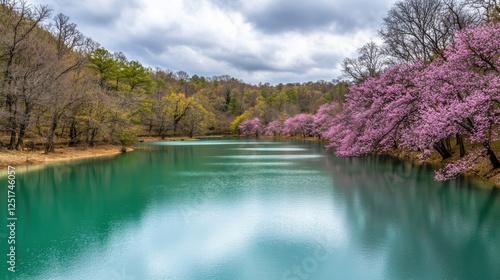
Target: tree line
x=58 y=86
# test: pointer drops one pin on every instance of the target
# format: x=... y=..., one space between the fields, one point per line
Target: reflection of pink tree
x=250 y=127
x=301 y=124
x=274 y=128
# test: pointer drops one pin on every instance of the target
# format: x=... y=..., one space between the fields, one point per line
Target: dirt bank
x=16 y=158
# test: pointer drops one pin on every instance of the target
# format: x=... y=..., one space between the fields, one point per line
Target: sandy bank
x=16 y=158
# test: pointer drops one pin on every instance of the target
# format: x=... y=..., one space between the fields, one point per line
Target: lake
x=248 y=209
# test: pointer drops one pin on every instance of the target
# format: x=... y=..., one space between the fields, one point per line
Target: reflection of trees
x=71 y=208
x=426 y=228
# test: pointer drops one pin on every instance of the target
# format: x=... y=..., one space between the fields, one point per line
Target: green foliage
x=234 y=106
x=103 y=63
x=233 y=127
x=291 y=95
x=197 y=120
x=137 y=78
x=128 y=139
x=197 y=80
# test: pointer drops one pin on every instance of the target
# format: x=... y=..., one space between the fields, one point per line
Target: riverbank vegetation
x=435 y=81
x=431 y=89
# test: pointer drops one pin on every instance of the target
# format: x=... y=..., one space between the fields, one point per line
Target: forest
x=59 y=86
x=431 y=86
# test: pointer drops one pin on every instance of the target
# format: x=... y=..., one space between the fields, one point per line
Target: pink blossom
x=274 y=128
x=250 y=127
x=301 y=124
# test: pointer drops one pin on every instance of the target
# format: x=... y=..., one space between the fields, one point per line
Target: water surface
x=232 y=209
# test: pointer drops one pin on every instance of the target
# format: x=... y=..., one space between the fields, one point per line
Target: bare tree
x=32 y=78
x=488 y=9
x=461 y=14
x=40 y=64
x=371 y=62
x=20 y=21
x=67 y=36
x=421 y=29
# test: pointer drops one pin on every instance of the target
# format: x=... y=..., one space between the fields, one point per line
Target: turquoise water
x=233 y=209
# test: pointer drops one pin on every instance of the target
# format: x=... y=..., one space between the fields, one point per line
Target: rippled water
x=230 y=209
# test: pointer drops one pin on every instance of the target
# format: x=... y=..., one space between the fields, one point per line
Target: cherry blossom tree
x=466 y=87
x=422 y=106
x=251 y=127
x=324 y=117
x=377 y=114
x=274 y=128
x=301 y=124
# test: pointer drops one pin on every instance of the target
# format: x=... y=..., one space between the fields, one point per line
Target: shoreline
x=21 y=158
x=24 y=158
x=481 y=172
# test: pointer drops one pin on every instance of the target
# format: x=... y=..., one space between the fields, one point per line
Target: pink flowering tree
x=274 y=128
x=420 y=107
x=250 y=127
x=377 y=114
x=463 y=93
x=476 y=53
x=323 y=118
x=301 y=124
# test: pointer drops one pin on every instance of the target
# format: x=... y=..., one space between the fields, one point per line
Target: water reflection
x=427 y=229
x=252 y=210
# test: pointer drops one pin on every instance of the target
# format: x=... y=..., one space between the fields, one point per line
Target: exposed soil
x=16 y=158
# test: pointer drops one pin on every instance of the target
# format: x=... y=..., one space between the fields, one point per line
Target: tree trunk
x=150 y=126
x=13 y=135
x=491 y=155
x=11 y=103
x=161 y=130
x=24 y=125
x=93 y=134
x=49 y=147
x=460 y=143
x=440 y=147
x=447 y=143
x=175 y=126
x=72 y=134
x=22 y=132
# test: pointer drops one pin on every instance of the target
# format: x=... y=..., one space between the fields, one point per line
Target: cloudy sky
x=254 y=40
